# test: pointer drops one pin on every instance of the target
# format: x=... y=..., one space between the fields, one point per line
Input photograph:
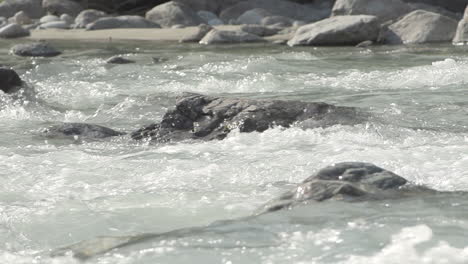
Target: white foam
x=403 y=249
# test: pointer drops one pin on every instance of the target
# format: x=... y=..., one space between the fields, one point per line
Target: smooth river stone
x=38 y=49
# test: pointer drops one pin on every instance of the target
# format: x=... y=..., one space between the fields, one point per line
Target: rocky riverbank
x=315 y=23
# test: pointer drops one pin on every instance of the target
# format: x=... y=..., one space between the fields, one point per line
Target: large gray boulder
x=121 y=22
x=436 y=9
x=278 y=21
x=338 y=30
x=10 y=82
x=173 y=13
x=228 y=37
x=33 y=8
x=214 y=6
x=13 y=31
x=207 y=16
x=383 y=9
x=79 y=130
x=67 y=18
x=49 y=18
x=198 y=35
x=38 y=49
x=59 y=7
x=200 y=5
x=253 y=16
x=207 y=118
x=348 y=181
x=275 y=7
x=421 y=27
x=21 y=18
x=88 y=16
x=456 y=6
x=461 y=36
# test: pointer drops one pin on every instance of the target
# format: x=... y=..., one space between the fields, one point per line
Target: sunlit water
x=56 y=192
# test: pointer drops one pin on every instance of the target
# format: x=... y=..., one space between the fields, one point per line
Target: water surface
x=56 y=192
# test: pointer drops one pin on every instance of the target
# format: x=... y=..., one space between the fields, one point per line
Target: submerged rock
x=338 y=30
x=38 y=49
x=173 y=13
x=13 y=31
x=421 y=27
x=207 y=118
x=119 y=60
x=121 y=22
x=10 y=82
x=198 y=35
x=80 y=130
x=226 y=37
x=349 y=181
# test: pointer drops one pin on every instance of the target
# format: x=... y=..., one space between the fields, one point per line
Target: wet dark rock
x=119 y=60
x=10 y=82
x=81 y=130
x=157 y=60
x=38 y=49
x=348 y=181
x=208 y=118
x=13 y=31
x=198 y=35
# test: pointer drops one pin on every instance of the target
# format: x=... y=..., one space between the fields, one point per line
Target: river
x=56 y=192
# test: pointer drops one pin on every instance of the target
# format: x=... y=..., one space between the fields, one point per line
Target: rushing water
x=56 y=192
